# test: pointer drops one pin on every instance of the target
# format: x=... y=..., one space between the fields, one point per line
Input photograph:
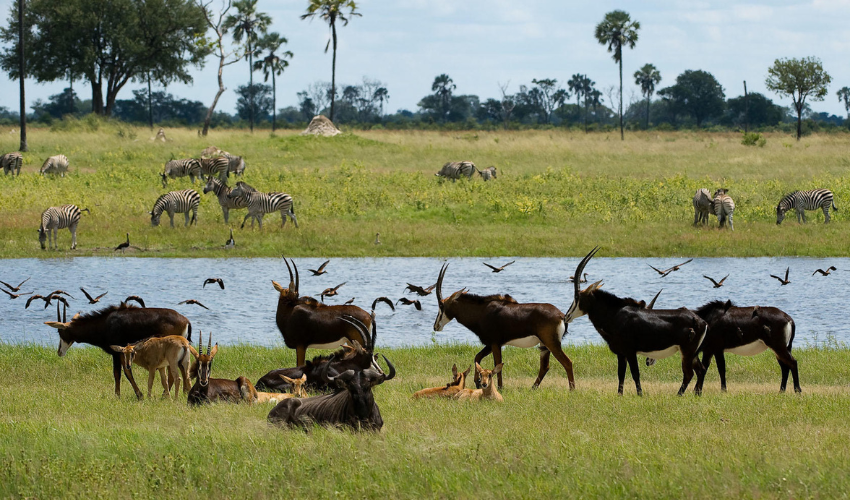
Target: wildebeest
x=206 y=389
x=120 y=325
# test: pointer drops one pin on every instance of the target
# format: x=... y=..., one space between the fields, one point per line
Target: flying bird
x=783 y=281
x=422 y=292
x=407 y=302
x=60 y=292
x=385 y=300
x=15 y=288
x=717 y=284
x=29 y=300
x=823 y=273
x=670 y=270
x=210 y=281
x=499 y=269
x=136 y=298
x=330 y=292
x=321 y=270
x=583 y=279
x=14 y=295
x=124 y=245
x=92 y=300
x=350 y=301
x=51 y=298
x=229 y=243
x=193 y=301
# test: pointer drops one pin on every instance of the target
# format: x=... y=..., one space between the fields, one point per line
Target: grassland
x=65 y=434
x=558 y=193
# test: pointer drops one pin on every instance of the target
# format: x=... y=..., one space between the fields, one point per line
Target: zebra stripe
x=236 y=164
x=176 y=202
x=11 y=162
x=703 y=204
x=181 y=168
x=55 y=218
x=806 y=200
x=454 y=169
x=222 y=192
x=217 y=166
x=724 y=207
x=488 y=173
x=55 y=165
x=260 y=204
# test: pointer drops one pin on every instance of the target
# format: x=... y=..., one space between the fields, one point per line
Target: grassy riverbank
x=558 y=193
x=64 y=434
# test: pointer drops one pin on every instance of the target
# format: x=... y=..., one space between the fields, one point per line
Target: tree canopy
x=697 y=94
x=798 y=79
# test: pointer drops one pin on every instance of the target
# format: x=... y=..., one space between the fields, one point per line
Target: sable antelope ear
x=214 y=350
x=727 y=305
x=465 y=373
x=478 y=368
x=278 y=287
x=116 y=348
x=497 y=369
x=57 y=324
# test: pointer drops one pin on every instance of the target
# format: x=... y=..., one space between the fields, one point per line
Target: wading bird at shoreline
x=193 y=301
x=124 y=245
x=824 y=273
x=321 y=270
x=230 y=243
x=783 y=281
x=210 y=281
x=498 y=269
x=15 y=288
x=92 y=300
x=717 y=284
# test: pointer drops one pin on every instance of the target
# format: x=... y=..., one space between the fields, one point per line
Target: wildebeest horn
x=579 y=270
x=392 y=369
x=439 y=290
x=325 y=369
x=652 y=303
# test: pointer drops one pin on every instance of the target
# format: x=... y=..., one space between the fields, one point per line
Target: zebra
x=724 y=207
x=454 y=169
x=260 y=204
x=11 y=162
x=176 y=202
x=216 y=165
x=805 y=200
x=55 y=165
x=236 y=164
x=181 y=168
x=703 y=204
x=488 y=173
x=55 y=218
x=222 y=191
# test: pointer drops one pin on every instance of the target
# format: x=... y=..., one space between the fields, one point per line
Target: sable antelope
x=92 y=300
x=305 y=323
x=155 y=354
x=499 y=320
x=488 y=389
x=331 y=292
x=124 y=245
x=821 y=271
x=230 y=243
x=783 y=281
x=665 y=272
x=206 y=389
x=498 y=269
x=583 y=279
x=140 y=301
x=120 y=325
x=747 y=331
x=210 y=281
x=15 y=288
x=349 y=301
x=321 y=270
x=457 y=384
x=13 y=296
x=407 y=302
x=193 y=301
x=36 y=296
x=276 y=397
x=418 y=290
x=717 y=284
x=630 y=329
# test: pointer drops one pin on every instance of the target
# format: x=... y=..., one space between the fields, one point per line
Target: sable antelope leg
x=721 y=369
x=706 y=362
x=478 y=357
x=687 y=372
x=633 y=366
x=788 y=363
x=497 y=360
x=565 y=361
x=116 y=372
x=544 y=366
x=300 y=355
x=621 y=372
x=162 y=378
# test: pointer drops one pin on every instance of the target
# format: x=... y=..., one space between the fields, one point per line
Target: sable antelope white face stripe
x=63 y=346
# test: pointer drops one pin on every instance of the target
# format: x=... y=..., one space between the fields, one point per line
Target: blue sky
x=405 y=43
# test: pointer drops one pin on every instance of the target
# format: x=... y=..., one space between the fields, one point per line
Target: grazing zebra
x=55 y=218
x=218 y=166
x=260 y=204
x=488 y=173
x=55 y=165
x=454 y=169
x=181 y=168
x=703 y=204
x=805 y=200
x=222 y=191
x=724 y=206
x=11 y=162
x=236 y=164
x=211 y=151
x=176 y=202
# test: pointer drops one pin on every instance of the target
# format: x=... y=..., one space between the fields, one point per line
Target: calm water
x=244 y=311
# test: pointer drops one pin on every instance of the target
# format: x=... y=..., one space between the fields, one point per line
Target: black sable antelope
x=630 y=328
x=208 y=389
x=747 y=331
x=305 y=323
x=120 y=325
x=499 y=320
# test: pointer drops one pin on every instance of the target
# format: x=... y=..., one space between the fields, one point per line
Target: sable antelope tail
x=189 y=332
x=793 y=332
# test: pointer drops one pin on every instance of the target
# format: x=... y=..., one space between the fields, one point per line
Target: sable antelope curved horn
x=291 y=279
x=325 y=377
x=200 y=342
x=297 y=278
x=579 y=270
x=439 y=290
x=652 y=303
x=209 y=344
x=361 y=327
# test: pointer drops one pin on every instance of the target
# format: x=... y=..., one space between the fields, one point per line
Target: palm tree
x=647 y=78
x=576 y=86
x=587 y=90
x=381 y=95
x=442 y=88
x=246 y=24
x=617 y=30
x=272 y=64
x=844 y=95
x=330 y=11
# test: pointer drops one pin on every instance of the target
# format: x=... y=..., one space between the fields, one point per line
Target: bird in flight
x=124 y=245
x=136 y=298
x=823 y=273
x=783 y=281
x=193 y=301
x=330 y=292
x=499 y=269
x=210 y=281
x=407 y=302
x=14 y=295
x=321 y=270
x=670 y=270
x=29 y=300
x=717 y=284
x=15 y=288
x=92 y=300
x=422 y=292
x=60 y=292
x=50 y=298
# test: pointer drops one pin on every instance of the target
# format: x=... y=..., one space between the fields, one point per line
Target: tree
x=442 y=88
x=618 y=30
x=246 y=24
x=263 y=102
x=508 y=104
x=647 y=78
x=224 y=58
x=552 y=96
x=844 y=95
x=696 y=93
x=591 y=96
x=381 y=95
x=577 y=85
x=22 y=73
x=331 y=11
x=798 y=79
x=754 y=109
x=272 y=64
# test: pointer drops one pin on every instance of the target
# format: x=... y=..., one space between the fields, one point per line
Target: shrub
x=753 y=139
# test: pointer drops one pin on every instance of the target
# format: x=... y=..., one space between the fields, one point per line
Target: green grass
x=558 y=193
x=65 y=434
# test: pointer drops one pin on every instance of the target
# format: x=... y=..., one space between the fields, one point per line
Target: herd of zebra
x=12 y=163
x=722 y=205
x=454 y=170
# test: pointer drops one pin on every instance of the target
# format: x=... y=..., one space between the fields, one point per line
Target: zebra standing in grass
x=488 y=173
x=176 y=202
x=217 y=166
x=260 y=204
x=703 y=204
x=55 y=218
x=222 y=192
x=236 y=164
x=55 y=165
x=454 y=169
x=805 y=200
x=724 y=207
x=11 y=162
x=181 y=168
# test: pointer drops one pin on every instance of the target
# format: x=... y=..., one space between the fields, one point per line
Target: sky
x=481 y=43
